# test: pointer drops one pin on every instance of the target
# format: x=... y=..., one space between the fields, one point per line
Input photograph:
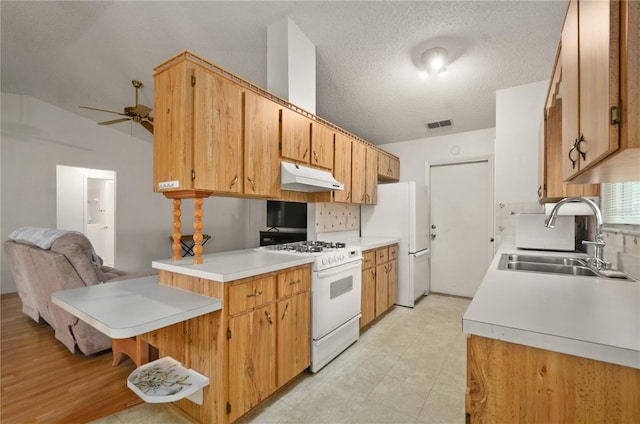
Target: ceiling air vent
x=439 y=124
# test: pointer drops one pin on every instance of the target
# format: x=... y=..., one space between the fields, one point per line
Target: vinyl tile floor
x=408 y=367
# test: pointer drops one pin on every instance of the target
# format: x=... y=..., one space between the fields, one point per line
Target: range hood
x=302 y=178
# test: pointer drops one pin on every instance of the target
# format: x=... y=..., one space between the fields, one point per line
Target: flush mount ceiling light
x=434 y=61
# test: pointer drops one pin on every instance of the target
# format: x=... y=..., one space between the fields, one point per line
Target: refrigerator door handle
x=421 y=253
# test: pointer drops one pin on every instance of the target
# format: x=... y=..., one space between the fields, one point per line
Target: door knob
x=433 y=236
x=433 y=227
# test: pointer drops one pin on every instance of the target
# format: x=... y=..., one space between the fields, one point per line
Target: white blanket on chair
x=44 y=238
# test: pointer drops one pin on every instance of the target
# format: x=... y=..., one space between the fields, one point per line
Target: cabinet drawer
x=368 y=259
x=382 y=255
x=293 y=282
x=251 y=294
x=393 y=252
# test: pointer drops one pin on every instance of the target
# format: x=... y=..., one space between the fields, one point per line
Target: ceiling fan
x=138 y=113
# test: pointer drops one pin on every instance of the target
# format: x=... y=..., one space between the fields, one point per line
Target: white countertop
x=129 y=308
x=597 y=318
x=230 y=266
x=368 y=243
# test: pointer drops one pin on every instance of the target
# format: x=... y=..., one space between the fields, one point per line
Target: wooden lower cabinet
x=379 y=282
x=393 y=283
x=508 y=383
x=294 y=335
x=252 y=359
x=259 y=341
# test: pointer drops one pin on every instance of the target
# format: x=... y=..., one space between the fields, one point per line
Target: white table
x=129 y=308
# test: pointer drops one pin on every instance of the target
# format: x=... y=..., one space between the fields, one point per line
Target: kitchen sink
x=552 y=268
x=549 y=265
x=547 y=260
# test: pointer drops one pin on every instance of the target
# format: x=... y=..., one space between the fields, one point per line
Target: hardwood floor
x=42 y=382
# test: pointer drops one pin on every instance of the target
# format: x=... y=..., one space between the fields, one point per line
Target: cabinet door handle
x=305 y=153
x=368 y=197
x=348 y=195
x=315 y=157
x=539 y=192
x=286 y=309
x=235 y=180
x=253 y=186
x=268 y=317
x=573 y=161
x=258 y=292
x=373 y=274
x=390 y=268
x=578 y=142
x=251 y=295
x=362 y=199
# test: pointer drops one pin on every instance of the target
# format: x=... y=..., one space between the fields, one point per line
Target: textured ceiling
x=86 y=53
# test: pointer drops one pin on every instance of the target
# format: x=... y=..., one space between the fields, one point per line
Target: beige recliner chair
x=69 y=262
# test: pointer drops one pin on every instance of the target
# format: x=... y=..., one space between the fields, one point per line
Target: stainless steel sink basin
x=547 y=260
x=552 y=268
x=549 y=265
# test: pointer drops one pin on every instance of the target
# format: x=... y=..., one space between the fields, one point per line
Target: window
x=621 y=203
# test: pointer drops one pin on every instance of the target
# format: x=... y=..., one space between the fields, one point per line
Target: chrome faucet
x=598 y=241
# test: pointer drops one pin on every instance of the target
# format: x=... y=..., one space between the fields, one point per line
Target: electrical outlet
x=168 y=184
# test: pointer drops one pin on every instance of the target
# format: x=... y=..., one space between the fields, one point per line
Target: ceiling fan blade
x=115 y=121
x=147 y=125
x=102 y=110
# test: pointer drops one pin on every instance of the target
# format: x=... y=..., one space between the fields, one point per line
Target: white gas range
x=336 y=290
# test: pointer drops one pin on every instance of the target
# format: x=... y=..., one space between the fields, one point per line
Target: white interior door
x=86 y=202
x=461 y=226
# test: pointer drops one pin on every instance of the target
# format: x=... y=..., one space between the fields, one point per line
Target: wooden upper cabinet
x=371 y=176
x=321 y=146
x=295 y=136
x=342 y=167
x=358 y=172
x=388 y=167
x=591 y=83
x=261 y=156
x=217 y=132
x=551 y=185
x=172 y=138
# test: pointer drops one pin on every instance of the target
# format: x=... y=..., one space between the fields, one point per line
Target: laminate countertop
x=591 y=317
x=132 y=307
x=230 y=266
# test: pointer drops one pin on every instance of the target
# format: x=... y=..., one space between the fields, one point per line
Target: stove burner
x=308 y=246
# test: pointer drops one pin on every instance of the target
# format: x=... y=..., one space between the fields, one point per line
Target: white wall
x=518 y=115
x=37 y=136
x=291 y=64
x=414 y=154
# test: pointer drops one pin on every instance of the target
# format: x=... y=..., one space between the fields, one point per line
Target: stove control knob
x=342 y=256
x=330 y=259
x=324 y=261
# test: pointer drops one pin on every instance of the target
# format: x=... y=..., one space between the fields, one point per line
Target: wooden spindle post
x=176 y=229
x=197 y=230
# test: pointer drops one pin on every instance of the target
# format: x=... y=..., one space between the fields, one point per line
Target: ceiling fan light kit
x=138 y=113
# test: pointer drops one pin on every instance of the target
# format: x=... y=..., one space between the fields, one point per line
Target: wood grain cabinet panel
x=358 y=172
x=368 y=300
x=294 y=336
x=252 y=369
x=508 y=382
x=388 y=167
x=551 y=186
x=295 y=143
x=261 y=156
x=591 y=84
x=371 y=176
x=342 y=168
x=393 y=283
x=322 y=146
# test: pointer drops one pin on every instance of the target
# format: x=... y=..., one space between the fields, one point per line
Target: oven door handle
x=340 y=269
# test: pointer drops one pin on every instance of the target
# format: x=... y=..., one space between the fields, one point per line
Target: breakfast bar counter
x=234 y=265
x=129 y=308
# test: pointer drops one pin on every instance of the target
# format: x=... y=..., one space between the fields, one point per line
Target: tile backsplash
x=331 y=217
x=622 y=250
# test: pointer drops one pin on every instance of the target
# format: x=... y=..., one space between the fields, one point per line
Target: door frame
x=490 y=186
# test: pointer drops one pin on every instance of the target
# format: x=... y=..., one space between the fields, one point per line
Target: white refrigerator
x=403 y=212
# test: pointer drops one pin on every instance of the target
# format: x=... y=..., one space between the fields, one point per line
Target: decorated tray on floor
x=166 y=380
